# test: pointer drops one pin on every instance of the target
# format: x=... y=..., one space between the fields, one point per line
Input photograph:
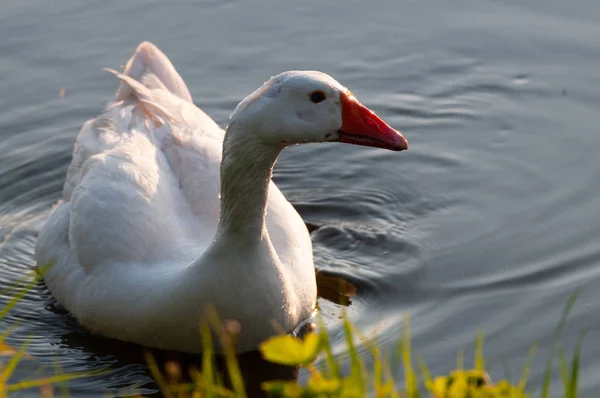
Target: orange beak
x=360 y=126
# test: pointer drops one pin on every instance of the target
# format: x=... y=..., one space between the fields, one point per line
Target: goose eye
x=317 y=96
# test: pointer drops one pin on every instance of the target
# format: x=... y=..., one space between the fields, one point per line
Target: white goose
x=163 y=213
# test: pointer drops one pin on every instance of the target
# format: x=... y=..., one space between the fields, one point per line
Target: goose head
x=299 y=107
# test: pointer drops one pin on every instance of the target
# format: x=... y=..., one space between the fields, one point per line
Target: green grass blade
x=12 y=363
x=564 y=371
x=227 y=343
x=357 y=373
x=424 y=370
x=575 y=365
x=157 y=375
x=334 y=369
x=207 y=376
x=383 y=363
x=235 y=373
x=22 y=385
x=479 y=363
x=377 y=368
x=561 y=323
x=410 y=381
x=565 y=313
x=527 y=368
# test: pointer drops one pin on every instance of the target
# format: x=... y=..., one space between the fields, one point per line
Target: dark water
x=491 y=219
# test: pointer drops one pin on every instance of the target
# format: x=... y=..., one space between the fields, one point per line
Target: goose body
x=164 y=214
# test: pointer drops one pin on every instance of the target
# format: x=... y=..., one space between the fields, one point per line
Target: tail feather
x=145 y=93
x=152 y=68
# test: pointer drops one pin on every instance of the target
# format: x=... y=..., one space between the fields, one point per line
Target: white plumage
x=139 y=242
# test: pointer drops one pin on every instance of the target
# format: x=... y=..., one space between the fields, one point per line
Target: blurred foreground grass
x=324 y=381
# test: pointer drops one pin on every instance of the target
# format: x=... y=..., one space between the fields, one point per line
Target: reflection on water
x=489 y=220
x=335 y=288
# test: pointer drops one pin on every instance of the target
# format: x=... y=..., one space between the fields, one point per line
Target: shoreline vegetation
x=223 y=377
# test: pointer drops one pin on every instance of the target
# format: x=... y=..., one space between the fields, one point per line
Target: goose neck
x=246 y=170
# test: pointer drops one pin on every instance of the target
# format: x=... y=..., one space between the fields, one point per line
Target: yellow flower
x=473 y=384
